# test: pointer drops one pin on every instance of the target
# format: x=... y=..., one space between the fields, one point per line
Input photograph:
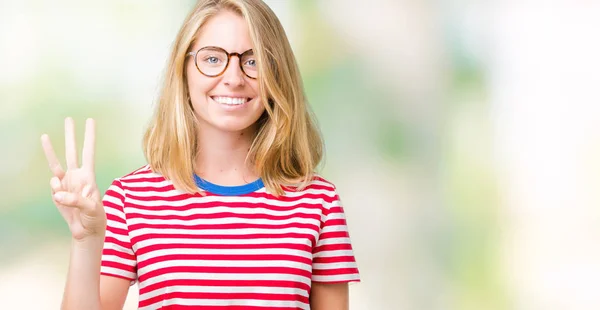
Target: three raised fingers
x=89 y=143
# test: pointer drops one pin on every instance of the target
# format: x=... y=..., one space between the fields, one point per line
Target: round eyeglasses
x=212 y=61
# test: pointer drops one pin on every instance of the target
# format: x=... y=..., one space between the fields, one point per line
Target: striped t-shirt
x=237 y=247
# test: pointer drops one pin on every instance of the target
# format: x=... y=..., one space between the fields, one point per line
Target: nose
x=234 y=76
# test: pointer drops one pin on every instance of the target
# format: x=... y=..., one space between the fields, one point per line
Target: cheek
x=259 y=107
x=190 y=76
x=253 y=85
x=199 y=86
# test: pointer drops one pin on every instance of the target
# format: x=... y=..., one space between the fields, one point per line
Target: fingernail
x=59 y=196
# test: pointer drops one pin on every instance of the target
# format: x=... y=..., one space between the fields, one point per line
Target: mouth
x=231 y=101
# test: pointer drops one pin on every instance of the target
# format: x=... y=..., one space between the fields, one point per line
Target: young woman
x=228 y=213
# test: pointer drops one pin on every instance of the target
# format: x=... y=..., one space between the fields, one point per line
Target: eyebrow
x=213 y=47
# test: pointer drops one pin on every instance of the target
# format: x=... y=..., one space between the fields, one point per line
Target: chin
x=232 y=128
x=234 y=125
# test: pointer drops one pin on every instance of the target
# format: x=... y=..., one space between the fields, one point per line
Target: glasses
x=212 y=61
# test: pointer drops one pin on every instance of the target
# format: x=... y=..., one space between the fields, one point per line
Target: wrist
x=92 y=242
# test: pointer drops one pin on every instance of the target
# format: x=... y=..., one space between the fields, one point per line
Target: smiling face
x=229 y=102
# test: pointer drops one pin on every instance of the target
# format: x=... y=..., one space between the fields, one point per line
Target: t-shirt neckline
x=228 y=190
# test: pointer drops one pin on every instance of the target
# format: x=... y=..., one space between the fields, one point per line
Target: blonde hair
x=287 y=147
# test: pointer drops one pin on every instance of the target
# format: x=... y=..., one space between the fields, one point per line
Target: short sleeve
x=333 y=257
x=118 y=258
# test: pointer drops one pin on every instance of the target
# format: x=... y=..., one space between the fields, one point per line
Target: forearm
x=82 y=290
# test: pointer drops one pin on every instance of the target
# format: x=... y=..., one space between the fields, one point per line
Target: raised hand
x=74 y=191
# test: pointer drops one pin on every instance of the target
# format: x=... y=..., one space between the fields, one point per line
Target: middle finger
x=70 y=149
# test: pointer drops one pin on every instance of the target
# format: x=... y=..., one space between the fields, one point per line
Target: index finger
x=89 y=144
x=53 y=162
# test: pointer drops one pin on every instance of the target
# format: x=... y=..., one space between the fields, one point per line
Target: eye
x=212 y=59
x=251 y=62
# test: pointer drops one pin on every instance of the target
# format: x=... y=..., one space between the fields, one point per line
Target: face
x=230 y=101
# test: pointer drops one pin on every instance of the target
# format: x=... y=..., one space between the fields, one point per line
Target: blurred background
x=463 y=137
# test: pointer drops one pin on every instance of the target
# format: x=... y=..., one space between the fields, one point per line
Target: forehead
x=227 y=30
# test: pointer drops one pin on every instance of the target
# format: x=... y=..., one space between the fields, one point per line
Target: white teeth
x=229 y=100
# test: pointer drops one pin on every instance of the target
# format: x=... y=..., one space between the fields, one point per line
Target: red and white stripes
x=253 y=251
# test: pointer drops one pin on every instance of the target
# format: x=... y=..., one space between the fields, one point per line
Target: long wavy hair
x=287 y=146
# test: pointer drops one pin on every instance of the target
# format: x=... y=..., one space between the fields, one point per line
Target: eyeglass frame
x=229 y=55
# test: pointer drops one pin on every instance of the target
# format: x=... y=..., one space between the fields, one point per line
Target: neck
x=222 y=155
